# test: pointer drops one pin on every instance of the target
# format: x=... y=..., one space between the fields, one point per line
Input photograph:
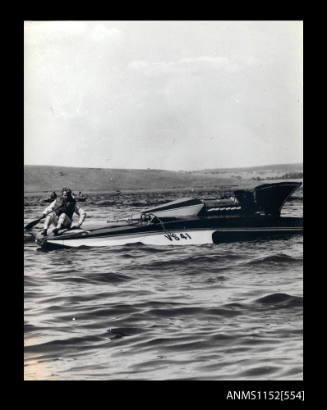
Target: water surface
x=228 y=311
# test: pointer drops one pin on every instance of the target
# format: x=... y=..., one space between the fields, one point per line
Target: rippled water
x=214 y=312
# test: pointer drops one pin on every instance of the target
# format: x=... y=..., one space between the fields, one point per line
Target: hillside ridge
x=39 y=178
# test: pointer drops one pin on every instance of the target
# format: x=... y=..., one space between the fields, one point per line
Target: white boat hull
x=174 y=238
x=197 y=237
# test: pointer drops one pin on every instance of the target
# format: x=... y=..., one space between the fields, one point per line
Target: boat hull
x=150 y=238
x=187 y=232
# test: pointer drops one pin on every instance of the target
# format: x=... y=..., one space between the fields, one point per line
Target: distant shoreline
x=188 y=190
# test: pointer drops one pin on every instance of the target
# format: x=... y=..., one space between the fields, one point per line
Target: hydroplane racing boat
x=249 y=214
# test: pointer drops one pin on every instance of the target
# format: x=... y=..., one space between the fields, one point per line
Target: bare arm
x=81 y=213
x=50 y=208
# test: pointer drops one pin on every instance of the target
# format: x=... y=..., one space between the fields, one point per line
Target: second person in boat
x=61 y=212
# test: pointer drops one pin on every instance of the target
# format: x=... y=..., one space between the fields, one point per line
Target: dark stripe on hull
x=223 y=237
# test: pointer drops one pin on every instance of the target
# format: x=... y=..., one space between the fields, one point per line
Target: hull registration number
x=178 y=236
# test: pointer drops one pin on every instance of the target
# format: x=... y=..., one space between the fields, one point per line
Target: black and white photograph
x=163 y=200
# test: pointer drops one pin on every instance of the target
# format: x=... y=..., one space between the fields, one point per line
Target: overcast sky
x=163 y=94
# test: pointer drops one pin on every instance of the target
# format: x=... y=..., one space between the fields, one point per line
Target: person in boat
x=63 y=210
x=53 y=196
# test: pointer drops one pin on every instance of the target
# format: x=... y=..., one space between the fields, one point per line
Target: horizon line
x=170 y=170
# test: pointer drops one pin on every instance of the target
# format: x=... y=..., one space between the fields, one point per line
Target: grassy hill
x=259 y=168
x=262 y=172
x=53 y=178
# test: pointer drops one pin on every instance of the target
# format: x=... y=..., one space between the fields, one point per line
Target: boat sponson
x=179 y=203
x=185 y=207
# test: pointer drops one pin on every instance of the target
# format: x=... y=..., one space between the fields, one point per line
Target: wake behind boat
x=248 y=214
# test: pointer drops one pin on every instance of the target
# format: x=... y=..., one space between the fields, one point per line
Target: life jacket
x=67 y=207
